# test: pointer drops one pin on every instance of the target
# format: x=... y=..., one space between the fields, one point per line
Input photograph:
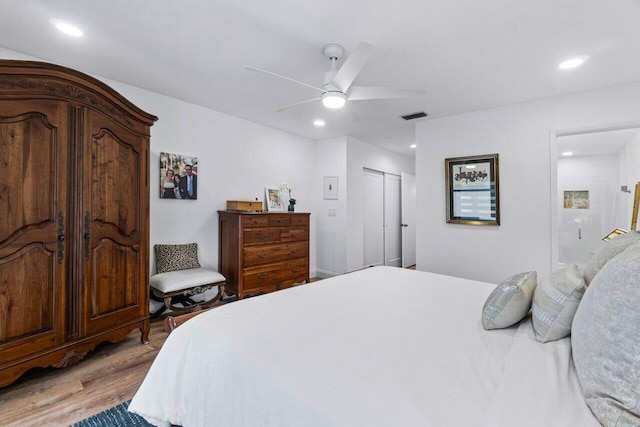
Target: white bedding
x=382 y=346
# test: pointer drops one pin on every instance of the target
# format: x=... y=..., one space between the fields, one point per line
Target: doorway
x=595 y=169
x=382 y=218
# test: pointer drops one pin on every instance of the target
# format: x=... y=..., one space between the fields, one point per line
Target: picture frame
x=576 y=199
x=472 y=190
x=273 y=199
x=330 y=185
x=178 y=176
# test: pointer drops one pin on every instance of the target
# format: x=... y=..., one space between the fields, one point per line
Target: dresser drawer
x=279 y=220
x=259 y=255
x=300 y=220
x=285 y=272
x=255 y=221
x=257 y=236
x=294 y=234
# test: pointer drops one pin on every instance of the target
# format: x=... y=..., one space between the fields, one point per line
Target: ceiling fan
x=336 y=87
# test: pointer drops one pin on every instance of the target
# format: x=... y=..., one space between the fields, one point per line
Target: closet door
x=373 y=223
x=34 y=228
x=115 y=215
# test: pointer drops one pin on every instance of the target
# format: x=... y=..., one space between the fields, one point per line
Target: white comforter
x=379 y=347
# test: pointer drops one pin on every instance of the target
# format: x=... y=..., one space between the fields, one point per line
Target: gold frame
x=478 y=183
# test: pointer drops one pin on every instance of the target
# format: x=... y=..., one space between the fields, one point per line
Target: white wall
x=331 y=217
x=580 y=231
x=237 y=158
x=631 y=155
x=523 y=136
x=341 y=245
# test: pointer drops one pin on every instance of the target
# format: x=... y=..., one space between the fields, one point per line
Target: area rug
x=118 y=416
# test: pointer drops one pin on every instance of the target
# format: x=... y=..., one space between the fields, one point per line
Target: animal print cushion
x=176 y=257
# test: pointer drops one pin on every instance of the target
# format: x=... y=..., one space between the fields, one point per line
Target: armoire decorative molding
x=74 y=203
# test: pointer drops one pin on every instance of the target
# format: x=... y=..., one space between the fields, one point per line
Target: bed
x=380 y=346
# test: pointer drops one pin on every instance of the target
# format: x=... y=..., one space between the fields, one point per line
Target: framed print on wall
x=178 y=176
x=330 y=188
x=472 y=190
x=273 y=200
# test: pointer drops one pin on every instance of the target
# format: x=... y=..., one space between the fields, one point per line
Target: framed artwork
x=178 y=177
x=330 y=188
x=273 y=200
x=576 y=199
x=472 y=190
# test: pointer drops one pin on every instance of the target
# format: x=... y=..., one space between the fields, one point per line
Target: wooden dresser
x=263 y=252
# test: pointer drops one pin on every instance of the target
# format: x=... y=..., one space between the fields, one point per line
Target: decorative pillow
x=555 y=302
x=605 y=341
x=176 y=257
x=509 y=302
x=607 y=251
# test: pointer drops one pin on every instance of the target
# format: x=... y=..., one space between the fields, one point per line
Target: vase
x=291 y=209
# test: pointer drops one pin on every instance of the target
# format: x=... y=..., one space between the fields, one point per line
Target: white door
x=392 y=221
x=408 y=184
x=373 y=187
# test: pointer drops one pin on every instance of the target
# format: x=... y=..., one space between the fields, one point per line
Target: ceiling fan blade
x=283 y=77
x=352 y=66
x=358 y=93
x=286 y=107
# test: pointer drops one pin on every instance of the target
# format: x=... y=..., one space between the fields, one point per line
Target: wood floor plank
x=109 y=375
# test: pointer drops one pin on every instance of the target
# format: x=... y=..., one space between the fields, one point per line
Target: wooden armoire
x=74 y=216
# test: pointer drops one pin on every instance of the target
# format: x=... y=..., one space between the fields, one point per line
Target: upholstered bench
x=180 y=277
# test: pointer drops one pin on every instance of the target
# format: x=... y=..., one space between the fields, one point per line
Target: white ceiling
x=596 y=143
x=466 y=54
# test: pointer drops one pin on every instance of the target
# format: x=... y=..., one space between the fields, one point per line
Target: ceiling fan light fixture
x=333 y=99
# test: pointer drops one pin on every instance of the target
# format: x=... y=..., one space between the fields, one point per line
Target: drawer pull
x=262 y=236
x=263 y=275
x=262 y=255
x=295 y=251
x=295 y=269
x=295 y=234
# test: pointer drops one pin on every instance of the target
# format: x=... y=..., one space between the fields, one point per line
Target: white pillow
x=509 y=302
x=607 y=251
x=555 y=302
x=605 y=340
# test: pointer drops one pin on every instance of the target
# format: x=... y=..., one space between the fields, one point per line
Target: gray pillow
x=607 y=251
x=509 y=302
x=555 y=302
x=605 y=340
x=176 y=257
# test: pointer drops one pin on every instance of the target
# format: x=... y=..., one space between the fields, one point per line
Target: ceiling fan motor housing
x=333 y=51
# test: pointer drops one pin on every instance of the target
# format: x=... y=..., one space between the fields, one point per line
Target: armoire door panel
x=35 y=175
x=115 y=164
x=27 y=303
x=115 y=184
x=33 y=227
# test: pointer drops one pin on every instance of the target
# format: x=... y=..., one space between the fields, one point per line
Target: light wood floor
x=59 y=397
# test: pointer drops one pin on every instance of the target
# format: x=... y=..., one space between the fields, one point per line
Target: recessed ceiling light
x=66 y=27
x=318 y=122
x=573 y=62
x=567 y=153
x=412 y=146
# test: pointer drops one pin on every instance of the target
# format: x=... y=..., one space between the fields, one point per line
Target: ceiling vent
x=414 y=116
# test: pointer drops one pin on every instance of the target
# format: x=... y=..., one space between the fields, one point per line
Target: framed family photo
x=178 y=177
x=472 y=190
x=273 y=199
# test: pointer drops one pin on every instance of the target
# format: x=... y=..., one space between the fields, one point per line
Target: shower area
x=597 y=172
